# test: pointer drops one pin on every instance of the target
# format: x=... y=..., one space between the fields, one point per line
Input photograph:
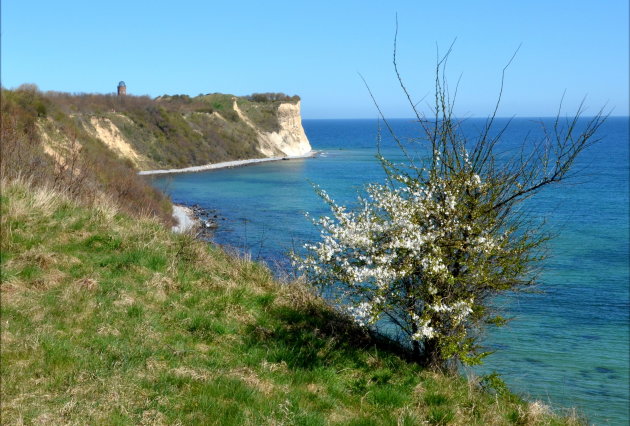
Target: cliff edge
x=174 y=132
x=289 y=140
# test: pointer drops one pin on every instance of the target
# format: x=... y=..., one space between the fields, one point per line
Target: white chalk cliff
x=289 y=141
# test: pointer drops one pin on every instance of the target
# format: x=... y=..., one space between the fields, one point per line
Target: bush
x=272 y=97
x=429 y=249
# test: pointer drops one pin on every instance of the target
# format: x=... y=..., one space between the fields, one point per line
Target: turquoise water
x=567 y=346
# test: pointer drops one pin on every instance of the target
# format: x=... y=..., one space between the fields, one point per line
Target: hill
x=180 y=131
x=107 y=319
x=94 y=145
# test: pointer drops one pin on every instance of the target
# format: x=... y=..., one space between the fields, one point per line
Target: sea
x=567 y=344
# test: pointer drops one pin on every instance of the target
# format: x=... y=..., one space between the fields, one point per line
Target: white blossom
x=395 y=249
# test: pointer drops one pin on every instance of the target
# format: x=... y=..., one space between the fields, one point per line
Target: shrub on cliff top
x=272 y=97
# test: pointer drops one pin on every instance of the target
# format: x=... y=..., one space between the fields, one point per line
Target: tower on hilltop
x=122 y=89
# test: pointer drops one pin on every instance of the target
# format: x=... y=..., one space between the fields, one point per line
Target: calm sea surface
x=567 y=345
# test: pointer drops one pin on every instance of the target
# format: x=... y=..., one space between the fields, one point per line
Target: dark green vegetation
x=112 y=320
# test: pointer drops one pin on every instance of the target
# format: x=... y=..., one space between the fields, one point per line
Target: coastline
x=185 y=216
x=196 y=219
x=227 y=164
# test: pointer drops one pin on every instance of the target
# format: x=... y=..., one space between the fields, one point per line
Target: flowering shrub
x=420 y=255
x=426 y=251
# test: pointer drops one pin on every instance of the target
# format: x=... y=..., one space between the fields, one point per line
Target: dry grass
x=52 y=149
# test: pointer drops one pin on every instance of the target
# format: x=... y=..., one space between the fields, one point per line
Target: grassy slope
x=35 y=124
x=111 y=320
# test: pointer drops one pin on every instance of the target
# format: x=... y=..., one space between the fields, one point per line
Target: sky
x=569 y=49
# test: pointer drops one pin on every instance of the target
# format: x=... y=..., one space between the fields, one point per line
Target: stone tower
x=122 y=89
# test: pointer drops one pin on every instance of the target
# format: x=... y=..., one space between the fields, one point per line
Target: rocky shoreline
x=200 y=220
x=208 y=220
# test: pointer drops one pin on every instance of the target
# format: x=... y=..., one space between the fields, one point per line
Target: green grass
x=109 y=320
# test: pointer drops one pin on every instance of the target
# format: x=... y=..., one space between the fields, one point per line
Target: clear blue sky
x=316 y=49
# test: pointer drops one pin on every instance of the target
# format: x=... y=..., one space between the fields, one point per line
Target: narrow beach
x=226 y=164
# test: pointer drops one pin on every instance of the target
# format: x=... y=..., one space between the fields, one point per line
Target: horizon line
x=534 y=117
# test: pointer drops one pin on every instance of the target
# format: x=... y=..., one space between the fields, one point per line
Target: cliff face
x=107 y=132
x=290 y=138
x=172 y=132
x=180 y=132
